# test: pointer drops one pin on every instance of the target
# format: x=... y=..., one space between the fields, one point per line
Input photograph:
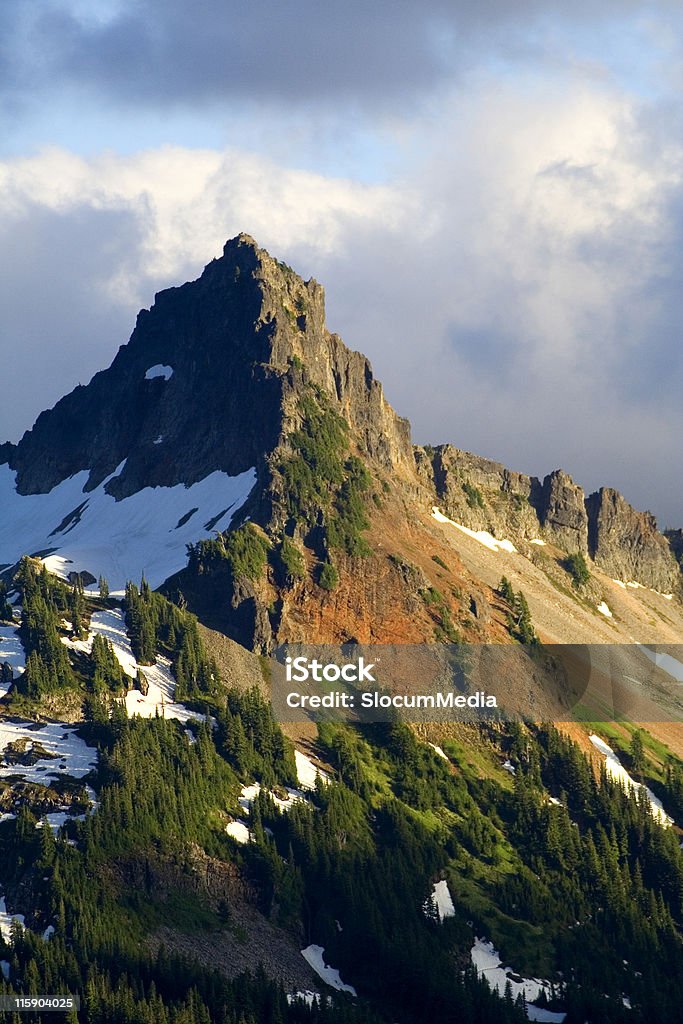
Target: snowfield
x=485 y=538
x=442 y=900
x=160 y=696
x=12 y=653
x=65 y=752
x=313 y=955
x=307 y=997
x=238 y=831
x=616 y=770
x=56 y=750
x=488 y=963
x=307 y=772
x=249 y=794
x=6 y=922
x=117 y=539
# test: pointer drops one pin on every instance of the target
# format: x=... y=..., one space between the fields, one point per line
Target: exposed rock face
x=675 y=539
x=213 y=379
x=485 y=495
x=479 y=493
x=627 y=544
x=201 y=386
x=562 y=512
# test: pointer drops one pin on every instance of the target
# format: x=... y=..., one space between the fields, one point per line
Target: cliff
x=237 y=372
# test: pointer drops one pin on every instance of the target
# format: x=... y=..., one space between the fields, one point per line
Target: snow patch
x=313 y=955
x=538 y=541
x=442 y=900
x=6 y=920
x=539 y=1013
x=439 y=751
x=115 y=539
x=12 y=652
x=161 y=684
x=158 y=439
x=616 y=771
x=307 y=772
x=604 y=610
x=308 y=997
x=249 y=793
x=5 y=969
x=488 y=963
x=238 y=831
x=509 y=767
x=56 y=739
x=159 y=370
x=620 y=583
x=485 y=538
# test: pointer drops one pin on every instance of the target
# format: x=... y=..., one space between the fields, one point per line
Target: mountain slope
x=246 y=464
x=233 y=402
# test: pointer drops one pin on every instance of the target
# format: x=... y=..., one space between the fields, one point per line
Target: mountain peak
x=210 y=370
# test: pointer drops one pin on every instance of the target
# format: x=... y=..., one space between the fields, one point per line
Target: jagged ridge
x=244 y=342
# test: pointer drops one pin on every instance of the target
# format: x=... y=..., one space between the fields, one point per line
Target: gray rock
x=626 y=543
x=562 y=512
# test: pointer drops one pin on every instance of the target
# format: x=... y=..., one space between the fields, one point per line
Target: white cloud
x=507 y=284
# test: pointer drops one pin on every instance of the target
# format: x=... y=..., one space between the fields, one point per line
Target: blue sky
x=492 y=195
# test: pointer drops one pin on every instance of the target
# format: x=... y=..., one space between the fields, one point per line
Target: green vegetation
x=320 y=478
x=444 y=630
x=292 y=563
x=584 y=888
x=475 y=499
x=520 y=626
x=440 y=561
x=155 y=623
x=345 y=526
x=637 y=751
x=328 y=577
x=244 y=551
x=44 y=602
x=316 y=466
x=5 y=606
x=577 y=567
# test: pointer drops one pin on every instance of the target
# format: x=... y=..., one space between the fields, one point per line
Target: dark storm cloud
x=160 y=51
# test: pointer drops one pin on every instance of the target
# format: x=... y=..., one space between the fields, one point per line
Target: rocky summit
x=233 y=403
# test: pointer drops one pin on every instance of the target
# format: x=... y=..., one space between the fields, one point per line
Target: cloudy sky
x=491 y=193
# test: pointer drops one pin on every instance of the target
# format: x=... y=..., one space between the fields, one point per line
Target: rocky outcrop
x=675 y=541
x=562 y=512
x=201 y=386
x=214 y=378
x=480 y=493
x=626 y=543
x=484 y=495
